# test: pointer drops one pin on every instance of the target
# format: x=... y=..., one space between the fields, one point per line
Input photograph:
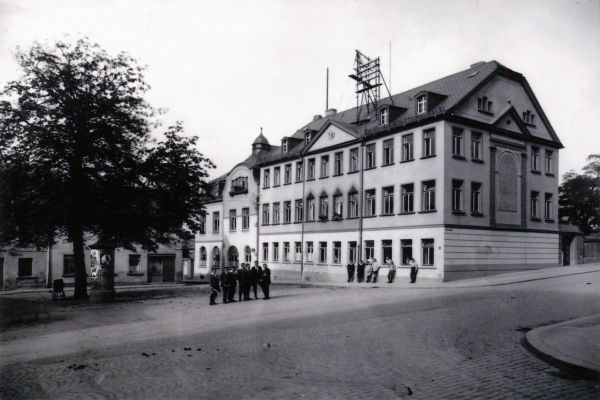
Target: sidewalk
x=400 y=282
x=573 y=345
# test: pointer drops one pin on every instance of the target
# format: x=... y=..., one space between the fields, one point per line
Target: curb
x=534 y=343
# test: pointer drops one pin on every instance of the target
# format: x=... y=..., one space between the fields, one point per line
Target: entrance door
x=161 y=268
x=168 y=268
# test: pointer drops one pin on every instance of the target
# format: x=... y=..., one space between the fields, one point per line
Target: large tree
x=78 y=156
x=579 y=196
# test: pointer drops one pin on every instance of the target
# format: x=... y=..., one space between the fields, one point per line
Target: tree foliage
x=77 y=156
x=579 y=196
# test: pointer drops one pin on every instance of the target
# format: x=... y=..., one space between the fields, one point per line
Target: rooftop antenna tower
x=369 y=79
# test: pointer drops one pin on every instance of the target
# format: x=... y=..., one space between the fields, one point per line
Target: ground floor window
x=406 y=250
x=275 y=251
x=202 y=256
x=297 y=251
x=265 y=253
x=216 y=257
x=427 y=245
x=351 y=252
x=286 y=251
x=322 y=252
x=386 y=248
x=68 y=264
x=25 y=266
x=247 y=254
x=309 y=251
x=369 y=249
x=337 y=252
x=134 y=263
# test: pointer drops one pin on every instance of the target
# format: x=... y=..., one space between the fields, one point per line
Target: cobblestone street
x=312 y=343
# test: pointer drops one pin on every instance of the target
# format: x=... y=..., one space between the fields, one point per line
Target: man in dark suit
x=265 y=281
x=224 y=285
x=231 y=280
x=214 y=286
x=254 y=279
x=350 y=267
x=360 y=271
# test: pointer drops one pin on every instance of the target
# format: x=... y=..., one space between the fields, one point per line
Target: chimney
x=317 y=117
x=330 y=112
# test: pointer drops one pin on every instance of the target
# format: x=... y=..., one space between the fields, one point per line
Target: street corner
x=572 y=346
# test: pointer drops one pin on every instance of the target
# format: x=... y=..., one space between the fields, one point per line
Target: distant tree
x=579 y=196
x=77 y=156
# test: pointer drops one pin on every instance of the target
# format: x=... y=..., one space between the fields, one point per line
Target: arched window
x=216 y=257
x=202 y=256
x=233 y=257
x=247 y=254
x=323 y=207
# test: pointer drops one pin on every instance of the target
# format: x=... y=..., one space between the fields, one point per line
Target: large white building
x=460 y=173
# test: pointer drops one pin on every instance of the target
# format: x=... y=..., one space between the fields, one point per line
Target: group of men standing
x=371 y=270
x=243 y=279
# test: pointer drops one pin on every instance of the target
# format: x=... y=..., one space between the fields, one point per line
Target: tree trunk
x=80 y=271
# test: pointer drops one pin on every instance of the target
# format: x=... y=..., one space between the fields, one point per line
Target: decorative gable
x=510 y=121
x=331 y=134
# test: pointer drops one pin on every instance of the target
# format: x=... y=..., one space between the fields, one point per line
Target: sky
x=227 y=68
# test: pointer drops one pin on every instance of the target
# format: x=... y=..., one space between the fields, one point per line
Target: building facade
x=460 y=174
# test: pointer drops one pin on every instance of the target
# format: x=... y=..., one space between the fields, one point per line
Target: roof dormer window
x=284 y=146
x=422 y=104
x=484 y=105
x=308 y=137
x=528 y=117
x=384 y=116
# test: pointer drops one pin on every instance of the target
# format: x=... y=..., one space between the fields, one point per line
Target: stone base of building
x=102 y=295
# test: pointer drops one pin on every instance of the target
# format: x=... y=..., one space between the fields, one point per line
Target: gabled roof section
x=333 y=133
x=509 y=120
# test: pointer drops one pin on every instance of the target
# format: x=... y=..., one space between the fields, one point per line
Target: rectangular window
x=232 y=220
x=535 y=159
x=407 y=147
x=299 y=171
x=245 y=218
x=323 y=252
x=457 y=141
x=337 y=252
x=369 y=249
x=353 y=205
x=324 y=166
x=421 y=104
x=297 y=251
x=68 y=264
x=388 y=200
x=370 y=207
x=338 y=209
x=286 y=251
x=548 y=206
x=25 y=266
x=288 y=174
x=429 y=143
x=483 y=104
x=310 y=169
x=338 y=164
x=384 y=116
x=476 y=197
x=275 y=251
x=408 y=195
x=352 y=252
x=457 y=195
x=370 y=156
x=353 y=160
x=299 y=210
x=310 y=209
x=266 y=178
x=265 y=214
x=427 y=245
x=476 y=147
x=323 y=208
x=265 y=251
x=406 y=250
x=388 y=152
x=287 y=212
x=428 y=196
x=548 y=157
x=535 y=204
x=134 y=263
x=386 y=250
x=216 y=222
x=309 y=251
x=276 y=176
x=276 y=213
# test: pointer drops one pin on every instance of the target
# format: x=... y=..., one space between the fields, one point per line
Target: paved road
x=305 y=343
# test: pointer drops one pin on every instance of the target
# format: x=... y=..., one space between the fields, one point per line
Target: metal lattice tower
x=368 y=77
